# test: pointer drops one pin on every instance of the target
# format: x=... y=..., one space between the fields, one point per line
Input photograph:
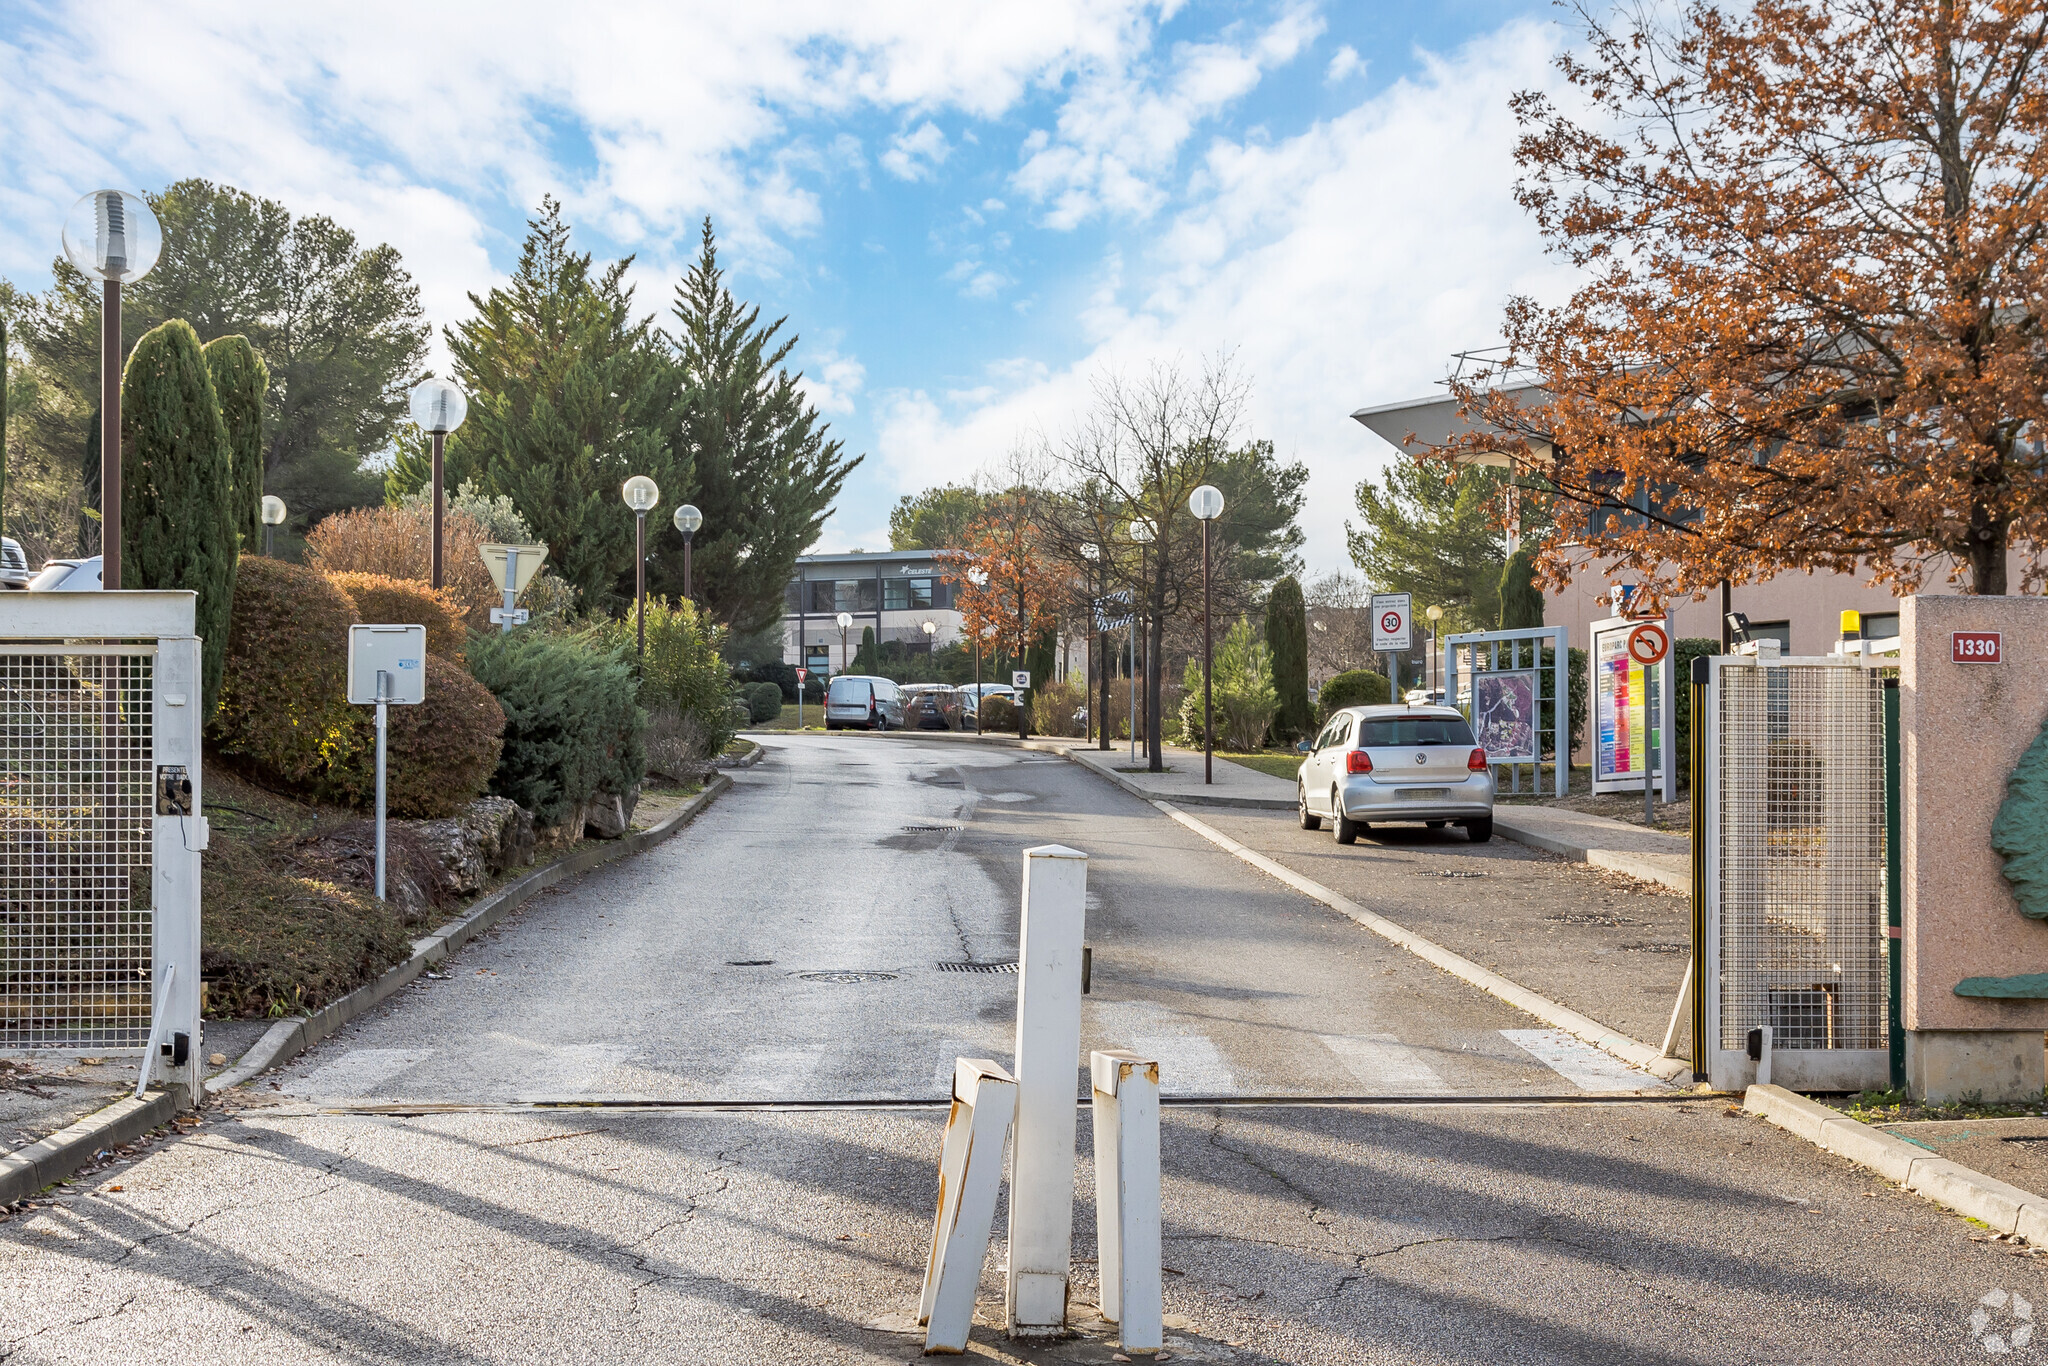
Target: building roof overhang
x=1435 y=420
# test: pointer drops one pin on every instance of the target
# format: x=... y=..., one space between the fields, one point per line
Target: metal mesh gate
x=76 y=832
x=1798 y=876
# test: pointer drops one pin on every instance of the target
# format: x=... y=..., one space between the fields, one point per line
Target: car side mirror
x=1303 y=747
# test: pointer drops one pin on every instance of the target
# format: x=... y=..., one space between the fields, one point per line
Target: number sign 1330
x=1974 y=647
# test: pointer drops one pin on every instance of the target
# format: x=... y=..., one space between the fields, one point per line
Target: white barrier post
x=1048 y=1049
x=1127 y=1239
x=970 y=1169
x=179 y=836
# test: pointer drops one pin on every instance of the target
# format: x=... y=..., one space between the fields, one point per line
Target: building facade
x=893 y=593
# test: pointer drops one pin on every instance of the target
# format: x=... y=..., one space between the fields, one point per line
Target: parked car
x=67 y=576
x=863 y=702
x=968 y=702
x=930 y=706
x=1424 y=697
x=14 y=570
x=1380 y=764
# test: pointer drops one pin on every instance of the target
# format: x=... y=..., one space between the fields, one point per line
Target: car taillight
x=1477 y=763
x=1358 y=761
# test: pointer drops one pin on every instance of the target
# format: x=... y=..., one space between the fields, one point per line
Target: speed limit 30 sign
x=1390 y=620
x=1648 y=644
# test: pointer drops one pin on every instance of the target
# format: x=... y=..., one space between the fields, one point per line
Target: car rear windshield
x=1413 y=730
x=850 y=690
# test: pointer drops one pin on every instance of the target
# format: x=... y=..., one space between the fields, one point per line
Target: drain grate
x=978 y=967
x=750 y=962
x=928 y=829
x=848 y=977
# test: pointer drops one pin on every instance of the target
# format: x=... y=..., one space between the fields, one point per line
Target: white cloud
x=832 y=382
x=1344 y=64
x=915 y=155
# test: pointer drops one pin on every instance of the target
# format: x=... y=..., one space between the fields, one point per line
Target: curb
x=2005 y=1208
x=1584 y=1027
x=28 y=1170
x=1190 y=799
x=1632 y=865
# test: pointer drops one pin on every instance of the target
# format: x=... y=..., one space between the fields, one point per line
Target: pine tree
x=177 y=519
x=568 y=398
x=1287 y=640
x=1521 y=601
x=766 y=475
x=239 y=383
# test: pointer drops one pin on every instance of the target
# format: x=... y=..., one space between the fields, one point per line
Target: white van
x=863 y=702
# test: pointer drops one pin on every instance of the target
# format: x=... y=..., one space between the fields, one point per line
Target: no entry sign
x=1648 y=644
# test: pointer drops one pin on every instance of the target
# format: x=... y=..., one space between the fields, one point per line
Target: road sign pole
x=1649 y=744
x=383 y=693
x=511 y=580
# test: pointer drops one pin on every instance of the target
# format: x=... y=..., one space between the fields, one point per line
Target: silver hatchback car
x=1371 y=765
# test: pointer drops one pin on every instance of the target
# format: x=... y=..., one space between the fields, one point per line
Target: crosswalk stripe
x=1580 y=1063
x=1385 y=1065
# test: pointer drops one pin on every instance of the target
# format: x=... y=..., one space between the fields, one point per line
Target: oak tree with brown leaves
x=1810 y=327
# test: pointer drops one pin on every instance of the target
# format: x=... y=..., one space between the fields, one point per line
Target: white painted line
x=1631 y=1051
x=1580 y=1064
x=771 y=1073
x=1190 y=1064
x=1013 y=797
x=1385 y=1065
x=575 y=1070
x=357 y=1072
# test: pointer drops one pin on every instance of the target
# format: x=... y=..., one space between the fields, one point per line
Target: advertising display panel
x=1628 y=714
x=1504 y=716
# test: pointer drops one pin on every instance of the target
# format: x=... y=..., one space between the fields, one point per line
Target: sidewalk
x=1182 y=783
x=1645 y=854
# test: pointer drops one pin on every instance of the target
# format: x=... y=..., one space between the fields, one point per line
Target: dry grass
x=395 y=542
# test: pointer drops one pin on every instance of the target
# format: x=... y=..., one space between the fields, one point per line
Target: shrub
x=682 y=667
x=240 y=380
x=572 y=722
x=439 y=755
x=284 y=709
x=177 y=517
x=775 y=671
x=397 y=542
x=764 y=702
x=998 y=712
x=1287 y=641
x=1684 y=651
x=409 y=602
x=1355 y=688
x=1053 y=707
x=1243 y=702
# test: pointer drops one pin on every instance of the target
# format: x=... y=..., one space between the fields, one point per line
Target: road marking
x=1013 y=797
x=358 y=1071
x=1385 y=1064
x=1190 y=1064
x=1579 y=1063
x=572 y=1070
x=777 y=1071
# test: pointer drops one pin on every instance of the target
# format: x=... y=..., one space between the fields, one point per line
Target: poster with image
x=1504 y=716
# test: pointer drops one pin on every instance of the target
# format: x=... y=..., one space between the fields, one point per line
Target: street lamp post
x=641 y=494
x=931 y=630
x=979 y=578
x=687 y=520
x=1097 y=659
x=845 y=620
x=1142 y=534
x=438 y=408
x=1206 y=503
x=273 y=517
x=112 y=237
x=1436 y=615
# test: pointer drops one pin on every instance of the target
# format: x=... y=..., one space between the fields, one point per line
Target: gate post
x=179 y=836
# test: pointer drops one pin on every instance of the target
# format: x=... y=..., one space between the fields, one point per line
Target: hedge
x=573 y=724
x=284 y=710
x=764 y=702
x=408 y=602
x=681 y=669
x=439 y=755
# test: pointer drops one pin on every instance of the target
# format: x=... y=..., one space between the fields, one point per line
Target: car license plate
x=1424 y=794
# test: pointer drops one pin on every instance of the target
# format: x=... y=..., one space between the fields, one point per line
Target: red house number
x=1974 y=647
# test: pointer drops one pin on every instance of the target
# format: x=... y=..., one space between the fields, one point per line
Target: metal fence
x=76 y=846
x=1795 y=869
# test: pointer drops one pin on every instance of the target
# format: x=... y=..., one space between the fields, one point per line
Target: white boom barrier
x=1126 y=1113
x=970 y=1169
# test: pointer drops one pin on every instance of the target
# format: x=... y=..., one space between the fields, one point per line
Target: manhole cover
x=750 y=962
x=929 y=829
x=845 y=977
x=978 y=967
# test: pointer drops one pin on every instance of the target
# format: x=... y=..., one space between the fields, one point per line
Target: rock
x=488 y=836
x=608 y=816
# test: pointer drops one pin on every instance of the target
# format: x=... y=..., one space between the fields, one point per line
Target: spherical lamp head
x=1206 y=503
x=930 y=627
x=688 y=519
x=640 y=493
x=273 y=510
x=1434 y=612
x=112 y=235
x=438 y=407
x=1141 y=531
x=845 y=620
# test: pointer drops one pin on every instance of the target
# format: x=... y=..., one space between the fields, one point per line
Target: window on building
x=793 y=598
x=1780 y=631
x=1880 y=625
x=906 y=595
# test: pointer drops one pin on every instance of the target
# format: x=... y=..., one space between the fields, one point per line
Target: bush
x=1243 y=702
x=439 y=755
x=998 y=712
x=1684 y=651
x=1355 y=688
x=240 y=380
x=284 y=709
x=408 y=602
x=398 y=542
x=177 y=513
x=682 y=668
x=1053 y=707
x=775 y=671
x=764 y=702
x=572 y=720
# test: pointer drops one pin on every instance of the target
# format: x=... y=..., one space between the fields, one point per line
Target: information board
x=1628 y=719
x=1390 y=623
x=1504 y=716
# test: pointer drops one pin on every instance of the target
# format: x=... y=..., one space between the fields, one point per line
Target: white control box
x=400 y=651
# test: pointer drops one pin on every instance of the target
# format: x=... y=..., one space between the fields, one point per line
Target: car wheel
x=1479 y=831
x=1342 y=826
x=1309 y=820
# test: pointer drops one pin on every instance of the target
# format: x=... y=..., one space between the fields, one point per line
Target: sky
x=969 y=213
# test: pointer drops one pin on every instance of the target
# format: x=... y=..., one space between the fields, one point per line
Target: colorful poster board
x=1627 y=720
x=1504 y=716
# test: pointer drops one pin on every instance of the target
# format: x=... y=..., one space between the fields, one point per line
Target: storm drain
x=978 y=967
x=928 y=829
x=848 y=977
x=750 y=962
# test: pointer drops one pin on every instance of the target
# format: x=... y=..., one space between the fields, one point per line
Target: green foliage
x=765 y=473
x=284 y=712
x=439 y=754
x=936 y=519
x=764 y=702
x=1261 y=498
x=1580 y=682
x=865 y=658
x=1435 y=538
x=1355 y=688
x=772 y=671
x=682 y=669
x=1287 y=642
x=1684 y=651
x=998 y=712
x=1521 y=601
x=239 y=383
x=2020 y=833
x=3 y=423
x=568 y=397
x=1243 y=702
x=572 y=724
x=177 y=516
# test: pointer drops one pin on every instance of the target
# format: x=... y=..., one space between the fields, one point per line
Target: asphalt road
x=294 y=1226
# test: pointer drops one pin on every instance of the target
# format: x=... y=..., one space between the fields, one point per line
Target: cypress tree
x=177 y=519
x=1521 y=601
x=866 y=659
x=3 y=426
x=240 y=380
x=1287 y=642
